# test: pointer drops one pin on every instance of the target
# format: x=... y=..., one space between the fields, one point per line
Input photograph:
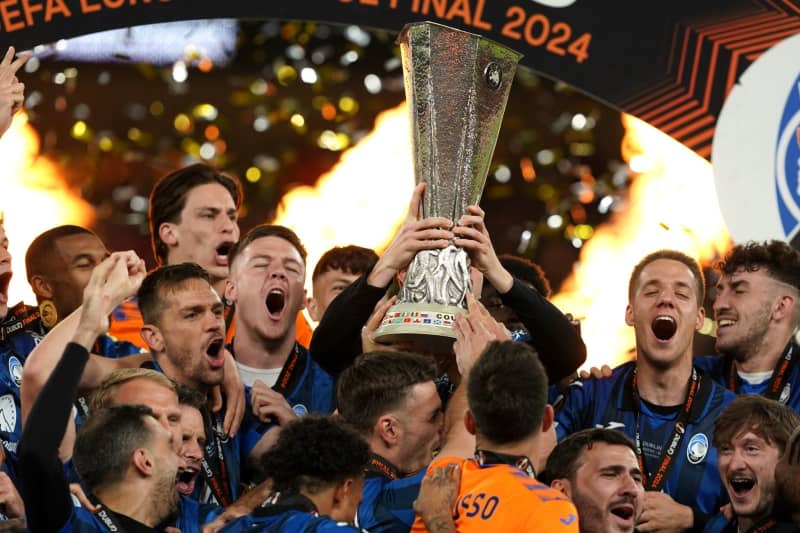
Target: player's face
x=5 y=272
x=327 y=286
x=191 y=451
x=499 y=311
x=267 y=286
x=743 y=311
x=162 y=446
x=664 y=312
x=747 y=468
x=608 y=490
x=207 y=229
x=162 y=400
x=422 y=421
x=193 y=328
x=74 y=259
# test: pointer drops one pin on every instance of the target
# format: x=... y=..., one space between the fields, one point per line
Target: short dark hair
x=351 y=259
x=314 y=452
x=378 y=382
x=106 y=441
x=191 y=397
x=780 y=260
x=507 y=392
x=266 y=230
x=168 y=198
x=672 y=255
x=162 y=280
x=39 y=251
x=564 y=460
x=527 y=271
x=769 y=419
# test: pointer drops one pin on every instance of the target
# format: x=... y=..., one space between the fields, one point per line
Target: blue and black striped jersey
x=693 y=479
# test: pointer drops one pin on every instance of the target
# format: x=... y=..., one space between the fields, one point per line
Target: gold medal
x=49 y=313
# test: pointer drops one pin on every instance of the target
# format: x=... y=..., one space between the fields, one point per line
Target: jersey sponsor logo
x=697 y=449
x=610 y=425
x=300 y=409
x=8 y=413
x=785 y=393
x=15 y=370
x=568 y=520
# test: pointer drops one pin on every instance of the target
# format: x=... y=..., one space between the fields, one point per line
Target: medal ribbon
x=776 y=383
x=214 y=468
x=673 y=444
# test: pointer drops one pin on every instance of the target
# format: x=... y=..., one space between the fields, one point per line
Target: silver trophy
x=457 y=85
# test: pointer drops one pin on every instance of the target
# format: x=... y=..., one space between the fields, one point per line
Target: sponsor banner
x=670 y=63
x=756 y=152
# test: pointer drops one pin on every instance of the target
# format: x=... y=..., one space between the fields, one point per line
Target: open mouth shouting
x=623 y=513
x=742 y=487
x=275 y=302
x=664 y=327
x=186 y=479
x=215 y=353
x=222 y=251
x=5 y=281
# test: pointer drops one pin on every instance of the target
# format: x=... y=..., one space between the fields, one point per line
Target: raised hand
x=414 y=235
x=12 y=92
x=473 y=332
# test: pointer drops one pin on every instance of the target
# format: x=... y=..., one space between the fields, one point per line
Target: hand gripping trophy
x=457 y=85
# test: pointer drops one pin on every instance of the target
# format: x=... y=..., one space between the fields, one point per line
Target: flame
x=34 y=198
x=363 y=199
x=672 y=204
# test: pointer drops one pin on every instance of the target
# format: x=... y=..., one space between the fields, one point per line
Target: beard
x=750 y=340
x=165 y=496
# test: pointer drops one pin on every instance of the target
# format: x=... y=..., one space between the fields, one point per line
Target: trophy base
x=427 y=327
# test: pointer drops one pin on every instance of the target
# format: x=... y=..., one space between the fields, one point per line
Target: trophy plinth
x=457 y=85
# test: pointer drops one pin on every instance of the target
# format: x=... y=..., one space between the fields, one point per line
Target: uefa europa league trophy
x=457 y=85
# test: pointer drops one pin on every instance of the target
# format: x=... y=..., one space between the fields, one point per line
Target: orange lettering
x=477 y=21
x=460 y=9
x=29 y=9
x=56 y=6
x=439 y=7
x=86 y=7
x=369 y=2
x=114 y=4
x=8 y=14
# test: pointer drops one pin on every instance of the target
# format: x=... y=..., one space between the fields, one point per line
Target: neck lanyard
x=487 y=458
x=284 y=381
x=108 y=518
x=214 y=468
x=776 y=383
x=17 y=318
x=378 y=466
x=673 y=444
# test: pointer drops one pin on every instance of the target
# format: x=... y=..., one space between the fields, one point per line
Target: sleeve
x=558 y=343
x=44 y=488
x=575 y=411
x=252 y=428
x=337 y=340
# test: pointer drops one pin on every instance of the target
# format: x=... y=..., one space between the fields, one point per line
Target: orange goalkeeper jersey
x=501 y=497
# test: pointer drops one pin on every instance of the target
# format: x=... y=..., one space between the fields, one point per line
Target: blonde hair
x=103 y=396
